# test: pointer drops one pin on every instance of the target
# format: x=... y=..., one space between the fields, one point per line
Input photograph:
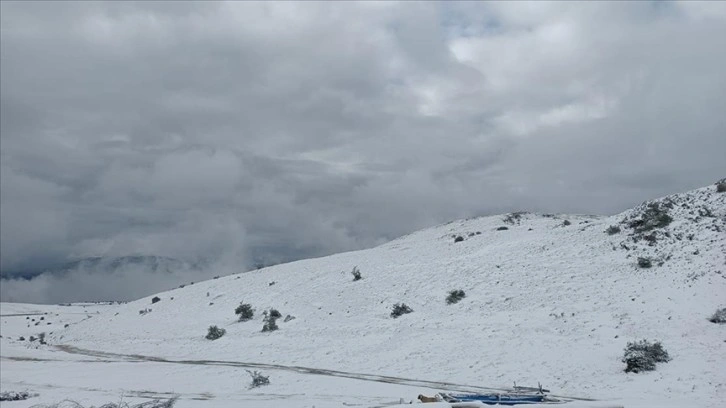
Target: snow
x=545 y=302
x=578 y=404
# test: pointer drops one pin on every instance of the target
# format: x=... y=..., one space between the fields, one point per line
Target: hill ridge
x=546 y=301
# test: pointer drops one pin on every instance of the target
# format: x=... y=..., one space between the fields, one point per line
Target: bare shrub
x=643 y=355
x=455 y=296
x=258 y=379
x=356 y=274
x=400 y=309
x=514 y=218
x=270 y=320
x=244 y=311
x=655 y=215
x=214 y=332
x=15 y=396
x=644 y=262
x=718 y=317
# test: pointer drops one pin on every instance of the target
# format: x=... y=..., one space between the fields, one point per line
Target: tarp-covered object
x=492 y=399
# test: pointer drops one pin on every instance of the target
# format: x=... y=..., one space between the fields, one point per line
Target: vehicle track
x=446 y=386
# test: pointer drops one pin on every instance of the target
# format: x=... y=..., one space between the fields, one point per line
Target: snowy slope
x=545 y=302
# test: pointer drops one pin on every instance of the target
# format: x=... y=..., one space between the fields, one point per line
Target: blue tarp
x=501 y=399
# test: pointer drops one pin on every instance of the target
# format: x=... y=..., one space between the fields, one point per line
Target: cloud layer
x=265 y=132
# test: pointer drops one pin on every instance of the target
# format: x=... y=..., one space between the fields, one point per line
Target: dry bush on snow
x=718 y=317
x=400 y=309
x=612 y=230
x=258 y=379
x=455 y=296
x=642 y=356
x=214 y=332
x=356 y=274
x=245 y=311
x=270 y=320
x=644 y=262
x=15 y=396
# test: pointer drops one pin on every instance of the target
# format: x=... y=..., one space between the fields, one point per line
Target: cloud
x=117 y=279
x=267 y=132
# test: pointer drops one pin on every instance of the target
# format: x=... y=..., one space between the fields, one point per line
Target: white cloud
x=283 y=130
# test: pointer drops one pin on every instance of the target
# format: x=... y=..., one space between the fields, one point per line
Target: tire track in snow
x=39 y=359
x=146 y=394
x=446 y=386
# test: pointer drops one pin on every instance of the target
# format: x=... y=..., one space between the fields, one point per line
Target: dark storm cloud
x=264 y=132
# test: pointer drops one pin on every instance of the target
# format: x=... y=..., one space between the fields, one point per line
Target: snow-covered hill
x=551 y=299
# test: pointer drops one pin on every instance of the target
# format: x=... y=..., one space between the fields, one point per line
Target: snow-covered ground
x=546 y=301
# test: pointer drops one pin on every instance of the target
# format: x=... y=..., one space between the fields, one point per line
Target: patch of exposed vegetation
x=651 y=238
x=15 y=395
x=400 y=309
x=654 y=216
x=455 y=296
x=644 y=262
x=214 y=332
x=514 y=218
x=643 y=355
x=718 y=317
x=244 y=311
x=270 y=320
x=356 y=274
x=258 y=380
x=721 y=186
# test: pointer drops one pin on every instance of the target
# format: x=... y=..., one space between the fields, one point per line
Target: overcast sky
x=245 y=132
